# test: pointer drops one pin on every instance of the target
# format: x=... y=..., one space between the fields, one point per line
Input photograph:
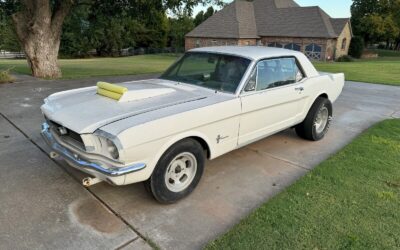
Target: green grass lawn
x=385 y=70
x=80 y=68
x=350 y=201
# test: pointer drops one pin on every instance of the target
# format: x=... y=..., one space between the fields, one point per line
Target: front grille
x=69 y=136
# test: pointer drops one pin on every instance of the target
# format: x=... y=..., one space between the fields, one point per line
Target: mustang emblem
x=219 y=138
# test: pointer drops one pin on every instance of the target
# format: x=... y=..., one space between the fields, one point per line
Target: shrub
x=387 y=53
x=345 y=58
x=356 y=47
x=5 y=76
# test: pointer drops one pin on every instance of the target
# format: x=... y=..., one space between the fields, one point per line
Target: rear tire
x=178 y=172
x=317 y=121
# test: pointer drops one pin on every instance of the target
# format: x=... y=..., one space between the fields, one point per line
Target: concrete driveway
x=43 y=204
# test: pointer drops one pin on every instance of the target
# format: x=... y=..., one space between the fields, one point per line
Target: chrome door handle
x=299 y=89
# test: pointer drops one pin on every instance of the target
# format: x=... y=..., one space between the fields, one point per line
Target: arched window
x=313 y=51
x=293 y=46
x=344 y=43
x=276 y=45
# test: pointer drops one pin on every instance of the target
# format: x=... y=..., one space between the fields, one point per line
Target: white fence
x=11 y=55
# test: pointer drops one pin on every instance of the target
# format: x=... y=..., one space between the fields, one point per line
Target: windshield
x=214 y=71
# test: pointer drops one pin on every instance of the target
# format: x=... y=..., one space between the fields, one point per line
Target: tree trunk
x=397 y=44
x=42 y=52
x=39 y=32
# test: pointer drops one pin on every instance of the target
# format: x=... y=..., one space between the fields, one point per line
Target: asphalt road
x=43 y=204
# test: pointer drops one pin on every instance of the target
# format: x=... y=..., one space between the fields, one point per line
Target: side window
x=274 y=73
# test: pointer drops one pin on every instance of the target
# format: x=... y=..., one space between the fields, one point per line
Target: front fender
x=151 y=152
x=179 y=137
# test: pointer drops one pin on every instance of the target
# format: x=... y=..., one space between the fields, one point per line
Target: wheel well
x=324 y=95
x=204 y=144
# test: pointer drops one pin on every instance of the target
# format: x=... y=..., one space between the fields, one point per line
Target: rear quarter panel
x=322 y=84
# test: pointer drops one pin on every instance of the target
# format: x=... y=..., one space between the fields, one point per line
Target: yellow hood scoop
x=112 y=91
x=122 y=94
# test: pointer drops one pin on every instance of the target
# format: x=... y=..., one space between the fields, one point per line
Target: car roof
x=251 y=52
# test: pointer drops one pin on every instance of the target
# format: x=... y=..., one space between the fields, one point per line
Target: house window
x=197 y=43
x=276 y=45
x=313 y=51
x=214 y=43
x=293 y=46
x=344 y=43
x=247 y=43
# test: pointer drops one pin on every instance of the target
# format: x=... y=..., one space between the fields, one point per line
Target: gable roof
x=285 y=4
x=339 y=23
x=284 y=18
x=236 y=20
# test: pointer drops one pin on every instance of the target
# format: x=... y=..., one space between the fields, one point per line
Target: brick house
x=275 y=23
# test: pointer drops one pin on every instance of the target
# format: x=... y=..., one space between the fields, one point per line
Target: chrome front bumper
x=102 y=170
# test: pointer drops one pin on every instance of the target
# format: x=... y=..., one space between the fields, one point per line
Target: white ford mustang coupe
x=211 y=101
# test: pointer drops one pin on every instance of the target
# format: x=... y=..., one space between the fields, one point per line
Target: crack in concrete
x=126 y=244
x=367 y=112
x=294 y=164
x=79 y=181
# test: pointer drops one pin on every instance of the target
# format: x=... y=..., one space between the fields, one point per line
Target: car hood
x=84 y=111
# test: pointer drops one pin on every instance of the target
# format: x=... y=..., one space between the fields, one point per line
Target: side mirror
x=299 y=76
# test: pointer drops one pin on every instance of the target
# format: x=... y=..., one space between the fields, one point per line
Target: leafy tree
x=199 y=18
x=210 y=11
x=179 y=27
x=356 y=47
x=110 y=26
x=376 y=21
x=8 y=40
x=180 y=6
x=38 y=24
x=74 y=39
x=391 y=30
x=202 y=16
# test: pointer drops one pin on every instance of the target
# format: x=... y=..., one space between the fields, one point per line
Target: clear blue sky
x=335 y=8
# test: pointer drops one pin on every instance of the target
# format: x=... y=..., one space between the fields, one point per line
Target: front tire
x=317 y=121
x=178 y=172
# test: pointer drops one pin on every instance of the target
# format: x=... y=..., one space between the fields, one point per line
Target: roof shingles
x=243 y=19
x=338 y=24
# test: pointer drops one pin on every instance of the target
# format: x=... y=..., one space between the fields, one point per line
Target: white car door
x=272 y=100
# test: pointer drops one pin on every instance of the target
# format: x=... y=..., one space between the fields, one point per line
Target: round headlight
x=112 y=149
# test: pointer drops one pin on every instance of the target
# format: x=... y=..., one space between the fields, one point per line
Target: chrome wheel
x=181 y=172
x=322 y=119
